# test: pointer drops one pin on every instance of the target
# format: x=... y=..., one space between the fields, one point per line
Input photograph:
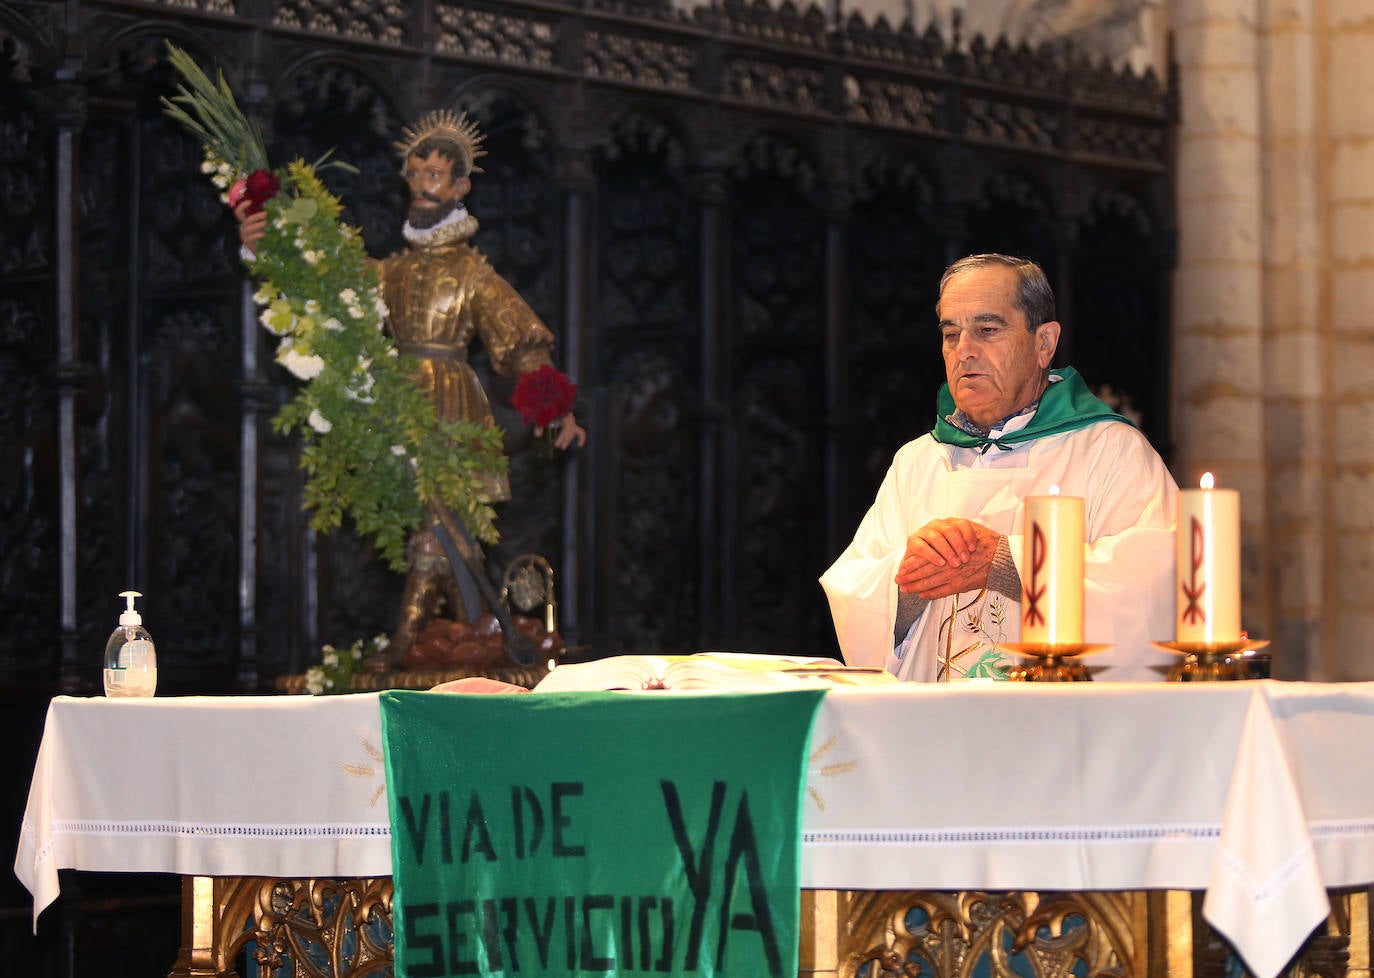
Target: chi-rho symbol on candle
x=1052 y=598
x=1208 y=557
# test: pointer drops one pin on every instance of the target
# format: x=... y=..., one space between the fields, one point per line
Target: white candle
x=1208 y=550
x=1052 y=570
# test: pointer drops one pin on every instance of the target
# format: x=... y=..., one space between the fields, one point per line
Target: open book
x=706 y=670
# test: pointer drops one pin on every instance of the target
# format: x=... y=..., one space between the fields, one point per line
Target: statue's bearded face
x=435 y=192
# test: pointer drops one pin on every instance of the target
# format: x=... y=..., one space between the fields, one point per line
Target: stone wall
x=1344 y=325
x=1274 y=309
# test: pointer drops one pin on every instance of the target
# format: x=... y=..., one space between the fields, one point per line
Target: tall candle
x=1208 y=549
x=1052 y=570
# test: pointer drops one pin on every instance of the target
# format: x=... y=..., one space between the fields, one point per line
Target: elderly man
x=931 y=583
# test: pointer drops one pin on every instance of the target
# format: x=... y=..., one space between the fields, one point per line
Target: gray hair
x=1034 y=297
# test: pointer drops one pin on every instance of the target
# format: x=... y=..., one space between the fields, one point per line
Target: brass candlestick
x=1212 y=662
x=1055 y=662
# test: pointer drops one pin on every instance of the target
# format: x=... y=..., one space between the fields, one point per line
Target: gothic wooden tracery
x=732 y=216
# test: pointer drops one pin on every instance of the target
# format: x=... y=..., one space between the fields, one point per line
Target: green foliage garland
x=373 y=446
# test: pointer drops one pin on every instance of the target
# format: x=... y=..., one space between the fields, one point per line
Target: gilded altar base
x=341 y=928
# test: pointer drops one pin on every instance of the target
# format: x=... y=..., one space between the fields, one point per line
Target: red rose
x=543 y=396
x=260 y=187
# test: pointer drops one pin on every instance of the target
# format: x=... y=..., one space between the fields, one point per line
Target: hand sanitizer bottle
x=130 y=662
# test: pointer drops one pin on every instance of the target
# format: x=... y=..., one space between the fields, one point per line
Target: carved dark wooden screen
x=30 y=515
x=733 y=221
x=644 y=299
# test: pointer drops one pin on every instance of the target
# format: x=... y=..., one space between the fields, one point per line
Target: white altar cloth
x=1252 y=792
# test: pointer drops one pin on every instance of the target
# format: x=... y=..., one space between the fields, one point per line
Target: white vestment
x=1130 y=508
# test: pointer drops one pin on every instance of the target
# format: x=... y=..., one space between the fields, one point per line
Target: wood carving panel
x=880 y=42
x=306 y=928
x=894 y=363
x=652 y=561
x=1005 y=121
x=779 y=501
x=646 y=312
x=643 y=61
x=510 y=37
x=29 y=519
x=896 y=104
x=769 y=83
x=373 y=20
x=930 y=934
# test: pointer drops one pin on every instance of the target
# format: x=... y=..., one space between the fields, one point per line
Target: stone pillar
x=1345 y=48
x=1218 y=336
x=1292 y=380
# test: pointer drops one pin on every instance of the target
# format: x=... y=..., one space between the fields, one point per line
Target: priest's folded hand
x=947 y=556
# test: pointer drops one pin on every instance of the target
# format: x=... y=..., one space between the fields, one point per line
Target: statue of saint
x=442 y=294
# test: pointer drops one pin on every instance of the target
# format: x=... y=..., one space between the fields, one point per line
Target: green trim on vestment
x=1066 y=405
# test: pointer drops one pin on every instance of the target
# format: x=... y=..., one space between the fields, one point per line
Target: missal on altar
x=707 y=670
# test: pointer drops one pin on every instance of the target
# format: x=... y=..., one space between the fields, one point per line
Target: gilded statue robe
x=443 y=295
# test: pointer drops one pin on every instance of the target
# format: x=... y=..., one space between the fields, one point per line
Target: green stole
x=1066 y=405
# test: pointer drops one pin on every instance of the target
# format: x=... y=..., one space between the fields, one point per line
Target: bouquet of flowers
x=373 y=446
x=338 y=666
x=544 y=396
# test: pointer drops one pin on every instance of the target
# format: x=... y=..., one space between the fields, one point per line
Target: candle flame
x=1207 y=482
x=1054 y=490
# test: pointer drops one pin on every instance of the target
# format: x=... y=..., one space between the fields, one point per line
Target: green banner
x=576 y=834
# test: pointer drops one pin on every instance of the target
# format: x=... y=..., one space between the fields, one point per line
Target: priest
x=931 y=584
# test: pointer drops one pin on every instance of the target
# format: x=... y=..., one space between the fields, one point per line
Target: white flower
x=278 y=318
x=356 y=312
x=306 y=367
x=332 y=324
x=207 y=165
x=321 y=424
x=380 y=305
x=314 y=680
x=329 y=660
x=220 y=180
x=361 y=390
x=349 y=297
x=398 y=450
x=381 y=641
x=312 y=306
x=265 y=294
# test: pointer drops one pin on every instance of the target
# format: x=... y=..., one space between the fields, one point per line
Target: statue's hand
x=568 y=432
x=251 y=226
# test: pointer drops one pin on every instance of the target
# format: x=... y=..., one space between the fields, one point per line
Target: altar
x=1112 y=803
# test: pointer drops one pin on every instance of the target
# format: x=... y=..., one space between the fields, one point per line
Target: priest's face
x=995 y=365
x=435 y=192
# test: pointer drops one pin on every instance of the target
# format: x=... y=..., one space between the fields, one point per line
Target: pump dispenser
x=130 y=661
